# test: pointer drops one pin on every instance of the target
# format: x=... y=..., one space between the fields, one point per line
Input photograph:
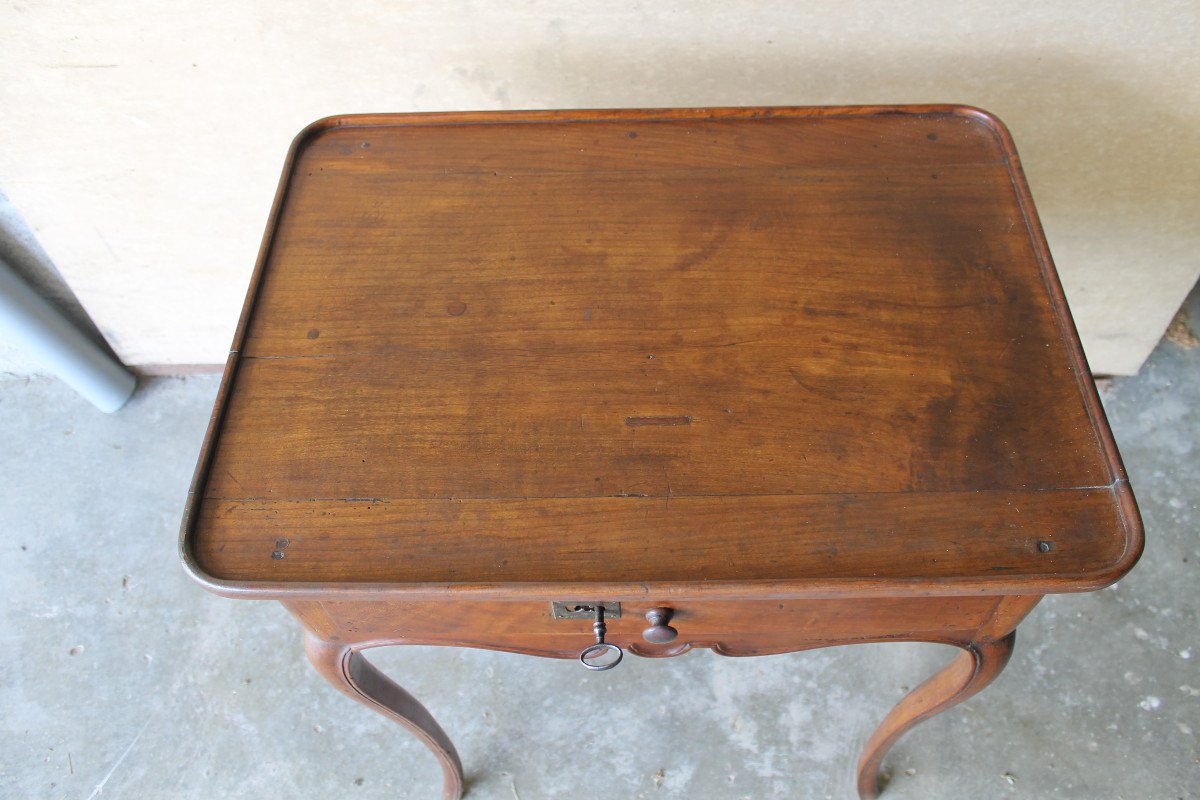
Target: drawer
x=731 y=627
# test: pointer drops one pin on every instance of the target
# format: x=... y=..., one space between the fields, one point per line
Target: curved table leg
x=973 y=669
x=352 y=674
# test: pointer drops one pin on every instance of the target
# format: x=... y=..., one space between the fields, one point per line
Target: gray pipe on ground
x=29 y=322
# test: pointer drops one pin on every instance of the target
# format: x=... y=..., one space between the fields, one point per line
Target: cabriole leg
x=973 y=669
x=344 y=667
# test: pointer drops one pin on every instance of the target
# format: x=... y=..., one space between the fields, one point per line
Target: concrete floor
x=122 y=679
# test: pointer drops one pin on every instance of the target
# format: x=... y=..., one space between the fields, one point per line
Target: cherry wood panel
x=525 y=351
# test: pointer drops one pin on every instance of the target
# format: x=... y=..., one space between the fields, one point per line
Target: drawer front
x=731 y=627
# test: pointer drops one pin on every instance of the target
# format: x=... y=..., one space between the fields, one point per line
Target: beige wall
x=142 y=140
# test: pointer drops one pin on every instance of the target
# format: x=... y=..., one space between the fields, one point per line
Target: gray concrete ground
x=121 y=679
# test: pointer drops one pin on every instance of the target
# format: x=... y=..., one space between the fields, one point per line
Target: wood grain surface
x=537 y=352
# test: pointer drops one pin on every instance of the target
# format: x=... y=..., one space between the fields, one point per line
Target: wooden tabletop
x=798 y=352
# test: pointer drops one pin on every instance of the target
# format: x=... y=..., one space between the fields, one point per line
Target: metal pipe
x=29 y=322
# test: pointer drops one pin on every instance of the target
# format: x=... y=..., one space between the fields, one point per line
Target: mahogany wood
x=802 y=376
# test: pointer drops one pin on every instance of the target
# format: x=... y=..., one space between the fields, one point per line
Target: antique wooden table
x=770 y=379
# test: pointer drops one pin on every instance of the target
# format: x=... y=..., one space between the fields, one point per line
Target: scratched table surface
x=818 y=351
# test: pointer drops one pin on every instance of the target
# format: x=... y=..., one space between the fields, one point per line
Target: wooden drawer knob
x=659 y=631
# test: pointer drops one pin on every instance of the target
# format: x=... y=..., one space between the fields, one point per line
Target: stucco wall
x=142 y=141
